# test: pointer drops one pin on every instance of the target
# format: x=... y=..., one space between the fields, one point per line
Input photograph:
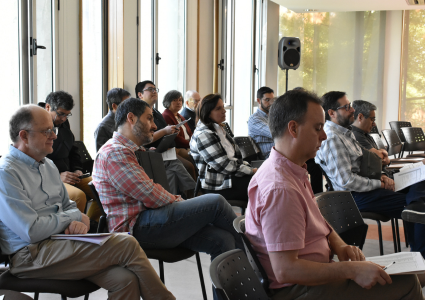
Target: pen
x=389 y=265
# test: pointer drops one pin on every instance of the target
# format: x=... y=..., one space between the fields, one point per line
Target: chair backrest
x=233 y=278
x=375 y=130
x=415 y=139
x=86 y=159
x=341 y=212
x=329 y=185
x=153 y=164
x=377 y=138
x=239 y=225
x=247 y=149
x=227 y=129
x=397 y=125
x=102 y=226
x=394 y=143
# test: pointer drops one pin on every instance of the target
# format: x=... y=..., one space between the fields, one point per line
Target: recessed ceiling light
x=310 y=10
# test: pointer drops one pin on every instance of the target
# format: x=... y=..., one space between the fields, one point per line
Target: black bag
x=371 y=166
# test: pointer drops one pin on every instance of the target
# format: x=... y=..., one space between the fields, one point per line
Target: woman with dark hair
x=173 y=102
x=216 y=154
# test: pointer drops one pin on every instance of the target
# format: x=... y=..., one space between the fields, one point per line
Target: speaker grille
x=291 y=57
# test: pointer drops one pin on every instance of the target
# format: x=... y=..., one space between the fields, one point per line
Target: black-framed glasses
x=373 y=119
x=47 y=133
x=151 y=89
x=346 y=106
x=62 y=115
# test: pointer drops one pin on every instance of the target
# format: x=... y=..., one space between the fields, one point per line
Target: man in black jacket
x=192 y=101
x=65 y=155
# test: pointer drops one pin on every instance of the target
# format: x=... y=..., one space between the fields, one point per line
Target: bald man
x=34 y=204
x=192 y=101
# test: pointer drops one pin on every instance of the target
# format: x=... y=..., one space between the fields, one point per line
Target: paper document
x=418 y=159
x=182 y=123
x=94 y=238
x=405 y=263
x=1 y=297
x=409 y=176
x=170 y=154
x=397 y=166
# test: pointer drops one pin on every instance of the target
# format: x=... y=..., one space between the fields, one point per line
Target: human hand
x=170 y=129
x=70 y=178
x=86 y=220
x=347 y=252
x=78 y=172
x=152 y=148
x=254 y=170
x=387 y=183
x=367 y=274
x=76 y=228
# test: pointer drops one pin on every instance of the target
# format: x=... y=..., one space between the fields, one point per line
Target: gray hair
x=363 y=107
x=170 y=96
x=115 y=95
x=22 y=119
x=189 y=94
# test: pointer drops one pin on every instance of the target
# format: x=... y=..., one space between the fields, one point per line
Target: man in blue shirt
x=34 y=204
x=258 y=128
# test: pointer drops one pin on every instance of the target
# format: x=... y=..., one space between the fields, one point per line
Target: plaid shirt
x=340 y=157
x=123 y=186
x=258 y=129
x=215 y=168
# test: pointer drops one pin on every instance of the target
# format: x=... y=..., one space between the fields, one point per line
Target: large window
x=413 y=69
x=341 y=51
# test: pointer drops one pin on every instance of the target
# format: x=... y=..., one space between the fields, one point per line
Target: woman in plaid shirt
x=216 y=154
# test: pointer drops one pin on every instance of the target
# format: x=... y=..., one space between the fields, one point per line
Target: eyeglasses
x=346 y=106
x=373 y=119
x=47 y=133
x=151 y=89
x=62 y=115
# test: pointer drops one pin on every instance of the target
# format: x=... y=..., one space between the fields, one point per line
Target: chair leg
x=405 y=234
x=86 y=297
x=242 y=211
x=35 y=296
x=381 y=247
x=398 y=235
x=161 y=271
x=63 y=297
x=201 y=276
x=394 y=236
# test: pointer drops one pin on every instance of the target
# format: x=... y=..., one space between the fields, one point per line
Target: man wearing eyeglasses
x=65 y=155
x=189 y=112
x=340 y=157
x=258 y=128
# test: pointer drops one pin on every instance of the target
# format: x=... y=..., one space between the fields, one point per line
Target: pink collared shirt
x=283 y=215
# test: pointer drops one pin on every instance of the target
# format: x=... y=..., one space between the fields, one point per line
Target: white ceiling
x=299 y=6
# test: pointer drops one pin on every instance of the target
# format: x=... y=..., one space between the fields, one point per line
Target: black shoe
x=414 y=212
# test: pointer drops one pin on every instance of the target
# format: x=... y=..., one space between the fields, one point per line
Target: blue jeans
x=391 y=204
x=202 y=224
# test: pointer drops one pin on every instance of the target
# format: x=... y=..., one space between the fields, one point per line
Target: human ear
x=292 y=128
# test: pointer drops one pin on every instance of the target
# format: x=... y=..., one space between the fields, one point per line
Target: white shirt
x=228 y=147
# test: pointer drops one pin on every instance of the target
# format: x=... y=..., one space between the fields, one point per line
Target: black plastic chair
x=227 y=129
x=233 y=278
x=341 y=212
x=246 y=147
x=239 y=225
x=377 y=138
x=395 y=146
x=65 y=288
x=153 y=165
x=85 y=157
x=397 y=125
x=415 y=140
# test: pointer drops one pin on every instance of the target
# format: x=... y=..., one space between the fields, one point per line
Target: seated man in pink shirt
x=293 y=242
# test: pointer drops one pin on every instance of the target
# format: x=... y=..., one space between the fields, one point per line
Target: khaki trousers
x=404 y=287
x=119 y=266
x=80 y=193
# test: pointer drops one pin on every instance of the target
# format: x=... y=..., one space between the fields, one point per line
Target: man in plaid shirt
x=340 y=157
x=134 y=203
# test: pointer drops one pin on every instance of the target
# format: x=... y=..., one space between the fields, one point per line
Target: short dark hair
x=290 y=106
x=21 y=119
x=170 y=96
x=263 y=90
x=362 y=107
x=204 y=109
x=60 y=99
x=130 y=105
x=330 y=101
x=141 y=85
x=115 y=95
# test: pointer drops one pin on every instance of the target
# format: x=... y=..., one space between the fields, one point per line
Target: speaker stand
x=287 y=79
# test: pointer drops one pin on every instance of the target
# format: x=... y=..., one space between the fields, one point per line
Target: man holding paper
x=34 y=204
x=340 y=157
x=293 y=242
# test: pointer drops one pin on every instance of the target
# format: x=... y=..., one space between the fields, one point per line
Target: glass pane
x=92 y=70
x=171 y=47
x=228 y=63
x=44 y=58
x=243 y=66
x=412 y=87
x=9 y=60
x=229 y=117
x=145 y=36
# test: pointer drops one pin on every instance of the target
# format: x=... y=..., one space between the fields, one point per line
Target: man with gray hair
x=192 y=101
x=34 y=204
x=106 y=127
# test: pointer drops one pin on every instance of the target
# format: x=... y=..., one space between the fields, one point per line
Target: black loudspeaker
x=289 y=55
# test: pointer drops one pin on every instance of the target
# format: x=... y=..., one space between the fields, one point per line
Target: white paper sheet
x=409 y=176
x=170 y=154
x=94 y=238
x=405 y=262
